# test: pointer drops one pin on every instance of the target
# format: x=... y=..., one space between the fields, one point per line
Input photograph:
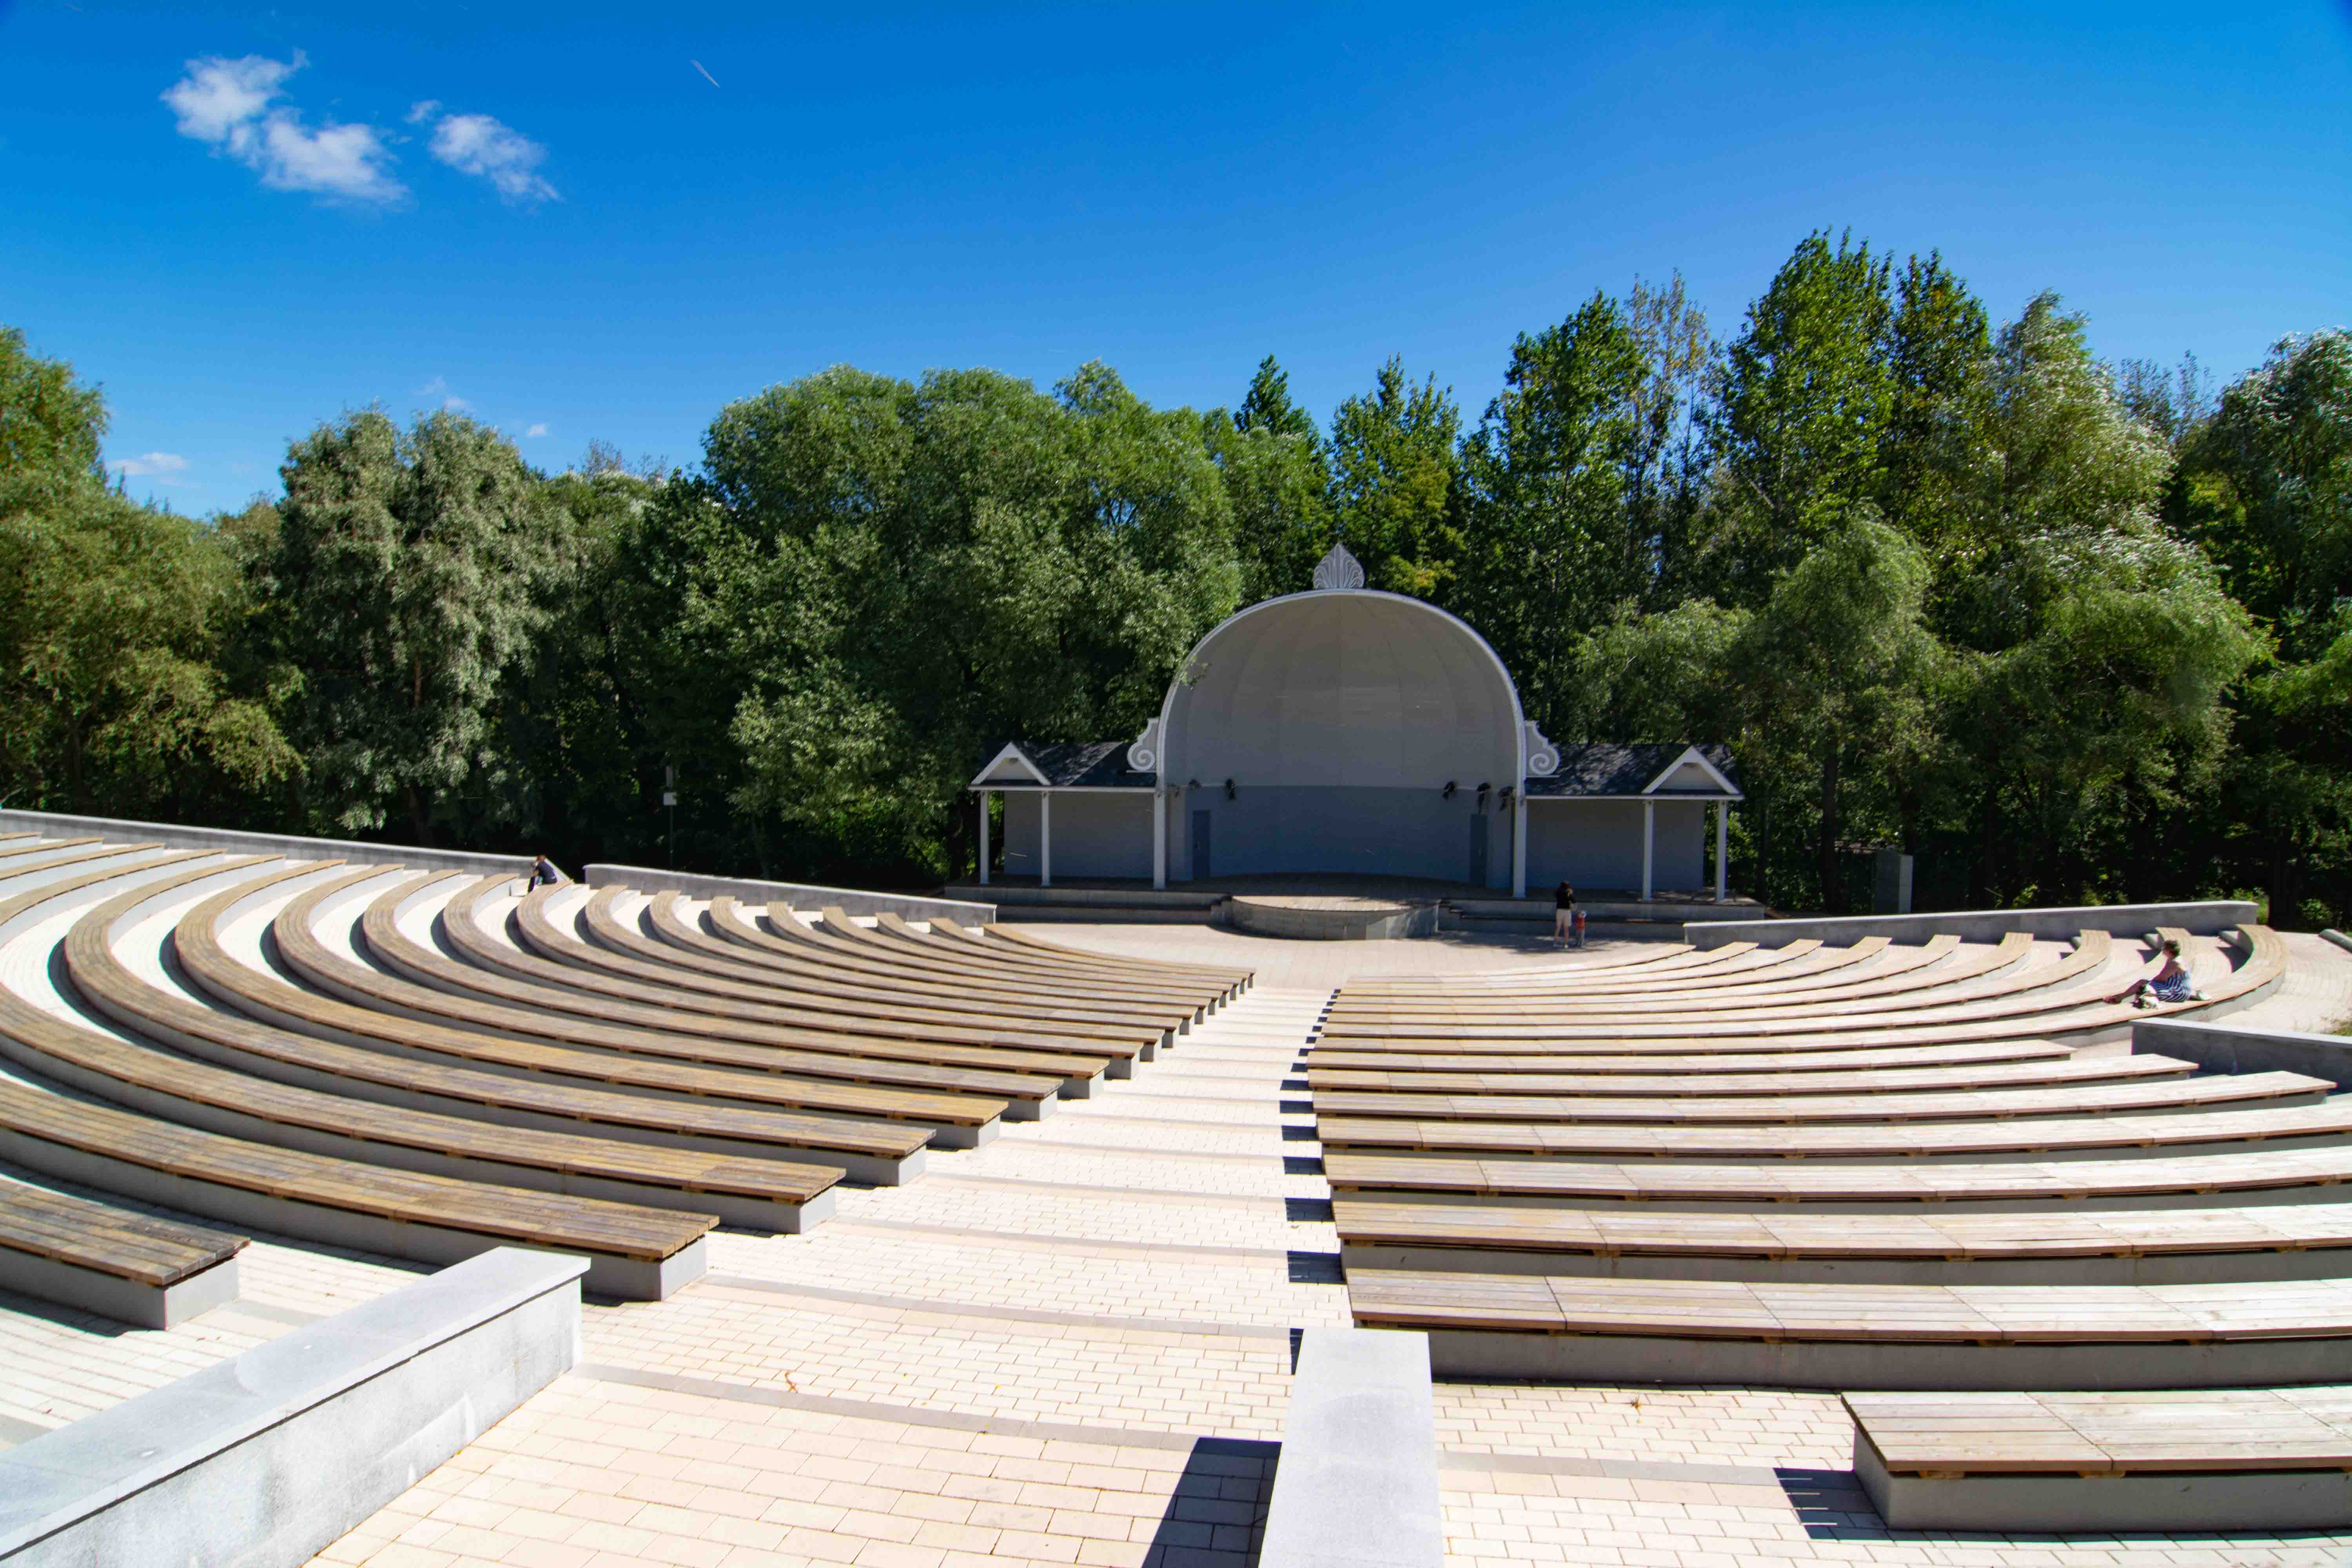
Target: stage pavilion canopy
x=1348 y=731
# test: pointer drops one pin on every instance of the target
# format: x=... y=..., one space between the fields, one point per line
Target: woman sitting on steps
x=2169 y=983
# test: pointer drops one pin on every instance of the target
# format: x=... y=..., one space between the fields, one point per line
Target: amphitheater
x=375 y=1213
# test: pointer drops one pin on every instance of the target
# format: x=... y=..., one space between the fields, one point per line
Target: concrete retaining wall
x=2227 y=1047
x=272 y=1456
x=1357 y=1483
x=228 y=841
x=293 y=846
x=799 y=895
x=2206 y=918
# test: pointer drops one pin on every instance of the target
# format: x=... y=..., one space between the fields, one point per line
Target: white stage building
x=1348 y=731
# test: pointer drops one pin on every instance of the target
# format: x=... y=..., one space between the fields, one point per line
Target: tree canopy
x=2068 y=631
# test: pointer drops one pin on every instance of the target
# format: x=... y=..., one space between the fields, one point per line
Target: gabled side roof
x=1061 y=765
x=1607 y=770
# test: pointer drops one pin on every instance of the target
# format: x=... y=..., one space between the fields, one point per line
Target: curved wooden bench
x=130 y=1267
x=2116 y=1246
x=2327 y=1122
x=1011 y=948
x=2065 y=1020
x=2107 y=1100
x=1651 y=959
x=1236 y=980
x=577 y=976
x=855 y=977
x=2026 y=993
x=618 y=948
x=891 y=935
x=808 y=1081
x=2238 y=1460
x=489 y=968
x=869 y=1150
x=1940 y=971
x=2287 y=1175
x=1339 y=1058
x=633 y=1252
x=578 y=980
x=1737 y=1332
x=1762 y=971
x=340 y=1107
x=1877 y=1081
x=785 y=941
x=896 y=941
x=946 y=940
x=52 y=845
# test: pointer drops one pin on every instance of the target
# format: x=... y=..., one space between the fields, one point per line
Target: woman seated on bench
x=2169 y=983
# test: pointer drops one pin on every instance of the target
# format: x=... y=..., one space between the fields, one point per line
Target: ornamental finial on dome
x=1338 y=570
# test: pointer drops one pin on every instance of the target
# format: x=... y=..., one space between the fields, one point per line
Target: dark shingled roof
x=1602 y=768
x=1598 y=769
x=1098 y=764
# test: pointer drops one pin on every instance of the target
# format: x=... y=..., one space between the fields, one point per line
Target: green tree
x=2265 y=485
x=114 y=622
x=1551 y=543
x=412 y=573
x=1839 y=671
x=1277 y=484
x=1392 y=478
x=912 y=574
x=1799 y=404
x=1939 y=467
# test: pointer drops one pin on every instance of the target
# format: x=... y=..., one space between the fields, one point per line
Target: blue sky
x=607 y=222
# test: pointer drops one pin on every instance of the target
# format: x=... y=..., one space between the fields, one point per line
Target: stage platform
x=1461 y=906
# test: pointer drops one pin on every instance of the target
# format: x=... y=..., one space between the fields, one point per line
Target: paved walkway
x=1071 y=1346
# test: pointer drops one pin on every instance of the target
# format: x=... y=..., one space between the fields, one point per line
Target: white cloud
x=479 y=145
x=536 y=431
x=423 y=110
x=227 y=104
x=434 y=388
x=456 y=405
x=150 y=464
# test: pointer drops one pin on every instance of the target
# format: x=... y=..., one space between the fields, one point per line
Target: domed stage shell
x=1345 y=731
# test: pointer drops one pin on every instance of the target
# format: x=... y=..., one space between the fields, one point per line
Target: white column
x=1649 y=844
x=1158 y=836
x=1519 y=842
x=983 y=838
x=1722 y=846
x=1045 y=838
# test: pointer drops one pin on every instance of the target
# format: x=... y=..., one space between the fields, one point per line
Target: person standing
x=1564 y=920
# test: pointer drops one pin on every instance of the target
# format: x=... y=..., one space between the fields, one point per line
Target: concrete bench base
x=111 y=1296
x=1483 y=1356
x=2265 y=1501
x=273 y=1455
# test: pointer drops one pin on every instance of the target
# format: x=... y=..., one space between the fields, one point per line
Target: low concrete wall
x=228 y=841
x=1357 y=1483
x=2229 y=1048
x=2206 y=918
x=799 y=895
x=270 y=1456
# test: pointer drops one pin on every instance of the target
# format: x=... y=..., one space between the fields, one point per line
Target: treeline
x=2068 y=631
